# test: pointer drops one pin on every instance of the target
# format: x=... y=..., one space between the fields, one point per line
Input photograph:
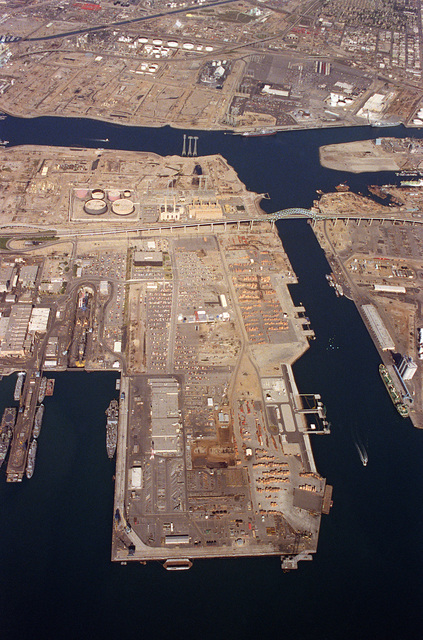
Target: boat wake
x=361 y=449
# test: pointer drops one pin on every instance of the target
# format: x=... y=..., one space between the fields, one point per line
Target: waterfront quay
x=23 y=428
x=213 y=454
x=373 y=244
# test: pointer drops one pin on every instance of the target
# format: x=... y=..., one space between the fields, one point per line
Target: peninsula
x=166 y=270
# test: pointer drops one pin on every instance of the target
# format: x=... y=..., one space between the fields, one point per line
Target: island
x=166 y=270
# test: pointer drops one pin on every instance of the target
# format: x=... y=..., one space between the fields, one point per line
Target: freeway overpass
x=393 y=215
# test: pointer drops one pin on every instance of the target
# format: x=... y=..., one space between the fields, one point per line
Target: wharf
x=213 y=455
x=23 y=429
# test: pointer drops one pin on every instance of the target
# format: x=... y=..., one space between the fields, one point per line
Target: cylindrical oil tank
x=81 y=194
x=113 y=195
x=95 y=207
x=97 y=194
x=126 y=193
x=123 y=207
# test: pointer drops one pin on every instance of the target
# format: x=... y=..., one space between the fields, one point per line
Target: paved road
x=112 y=25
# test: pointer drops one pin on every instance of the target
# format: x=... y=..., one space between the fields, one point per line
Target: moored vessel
x=38 y=421
x=258 y=133
x=30 y=464
x=6 y=431
x=112 y=413
x=383 y=124
x=393 y=391
x=42 y=389
x=50 y=386
x=335 y=285
x=18 y=386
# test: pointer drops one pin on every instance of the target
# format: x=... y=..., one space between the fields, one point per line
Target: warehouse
x=148 y=259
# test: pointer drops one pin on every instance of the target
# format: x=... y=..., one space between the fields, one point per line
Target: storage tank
x=127 y=193
x=81 y=194
x=95 y=207
x=123 y=207
x=97 y=194
x=113 y=195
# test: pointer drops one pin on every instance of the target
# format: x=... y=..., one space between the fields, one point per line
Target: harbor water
x=365 y=580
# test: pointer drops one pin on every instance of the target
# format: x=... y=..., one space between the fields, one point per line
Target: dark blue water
x=366 y=581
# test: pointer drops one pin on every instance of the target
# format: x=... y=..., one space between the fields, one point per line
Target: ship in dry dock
x=6 y=431
x=112 y=413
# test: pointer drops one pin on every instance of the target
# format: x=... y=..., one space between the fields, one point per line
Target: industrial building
x=39 y=320
x=170 y=212
x=201 y=210
x=28 y=276
x=148 y=259
x=13 y=343
x=378 y=327
x=6 y=275
x=407 y=368
x=136 y=477
x=165 y=416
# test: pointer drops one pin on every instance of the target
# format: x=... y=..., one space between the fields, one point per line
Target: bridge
x=295 y=212
x=397 y=215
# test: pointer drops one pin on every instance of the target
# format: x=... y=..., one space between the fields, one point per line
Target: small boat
x=363 y=454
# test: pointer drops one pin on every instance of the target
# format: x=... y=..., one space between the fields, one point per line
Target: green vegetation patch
x=235 y=16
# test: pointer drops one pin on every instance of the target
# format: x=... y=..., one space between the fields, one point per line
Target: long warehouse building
x=376 y=323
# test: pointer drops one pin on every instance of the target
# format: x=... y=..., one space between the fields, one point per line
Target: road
x=112 y=25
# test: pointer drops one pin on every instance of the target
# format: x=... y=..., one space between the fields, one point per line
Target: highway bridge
x=398 y=216
x=392 y=215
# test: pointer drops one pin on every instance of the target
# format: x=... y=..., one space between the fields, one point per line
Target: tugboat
x=112 y=413
x=30 y=465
